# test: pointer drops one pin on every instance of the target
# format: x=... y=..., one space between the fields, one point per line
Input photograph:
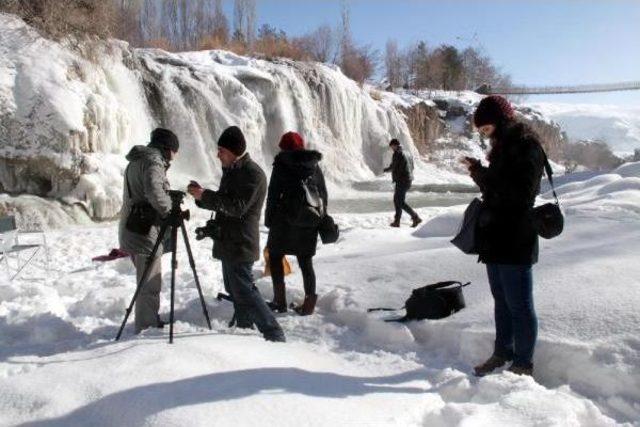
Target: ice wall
x=68 y=114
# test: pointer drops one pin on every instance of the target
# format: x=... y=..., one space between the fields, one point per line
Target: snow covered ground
x=616 y=125
x=342 y=366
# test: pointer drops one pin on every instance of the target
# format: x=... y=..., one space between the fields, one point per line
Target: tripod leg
x=174 y=266
x=195 y=274
x=142 y=279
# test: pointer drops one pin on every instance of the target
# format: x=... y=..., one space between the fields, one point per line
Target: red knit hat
x=493 y=110
x=291 y=141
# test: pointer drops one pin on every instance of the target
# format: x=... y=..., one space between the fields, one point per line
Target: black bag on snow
x=142 y=215
x=548 y=220
x=328 y=230
x=305 y=206
x=465 y=240
x=435 y=301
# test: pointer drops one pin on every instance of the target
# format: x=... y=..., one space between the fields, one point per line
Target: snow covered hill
x=59 y=366
x=617 y=126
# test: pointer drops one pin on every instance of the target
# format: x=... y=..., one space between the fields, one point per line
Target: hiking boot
x=490 y=365
x=279 y=303
x=308 y=305
x=276 y=307
x=159 y=324
x=395 y=223
x=416 y=220
x=275 y=336
x=521 y=370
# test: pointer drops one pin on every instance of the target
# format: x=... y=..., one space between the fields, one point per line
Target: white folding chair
x=10 y=247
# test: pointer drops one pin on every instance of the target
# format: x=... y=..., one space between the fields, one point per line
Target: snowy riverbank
x=58 y=365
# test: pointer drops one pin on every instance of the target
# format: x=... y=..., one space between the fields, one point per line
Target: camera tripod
x=174 y=221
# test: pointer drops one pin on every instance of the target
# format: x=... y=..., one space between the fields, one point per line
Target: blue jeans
x=515 y=317
x=250 y=307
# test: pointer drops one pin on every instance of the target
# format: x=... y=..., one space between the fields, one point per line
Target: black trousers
x=306 y=266
x=399 y=200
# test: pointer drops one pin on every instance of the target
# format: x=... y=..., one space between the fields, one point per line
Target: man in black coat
x=401 y=169
x=238 y=205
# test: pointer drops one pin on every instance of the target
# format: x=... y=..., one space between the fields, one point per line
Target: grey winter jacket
x=238 y=203
x=401 y=167
x=147 y=176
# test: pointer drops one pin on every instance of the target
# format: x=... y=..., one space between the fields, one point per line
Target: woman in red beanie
x=507 y=241
x=291 y=167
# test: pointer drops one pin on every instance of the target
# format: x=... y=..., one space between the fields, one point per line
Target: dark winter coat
x=401 y=168
x=147 y=176
x=238 y=205
x=509 y=187
x=289 y=168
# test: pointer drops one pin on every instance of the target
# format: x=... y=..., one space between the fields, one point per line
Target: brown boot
x=415 y=221
x=490 y=365
x=279 y=303
x=307 y=306
x=395 y=223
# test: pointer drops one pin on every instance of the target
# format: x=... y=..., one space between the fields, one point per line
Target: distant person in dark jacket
x=507 y=240
x=238 y=206
x=291 y=166
x=401 y=169
x=145 y=182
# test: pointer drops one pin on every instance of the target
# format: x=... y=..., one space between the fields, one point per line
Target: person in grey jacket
x=401 y=169
x=146 y=183
x=238 y=206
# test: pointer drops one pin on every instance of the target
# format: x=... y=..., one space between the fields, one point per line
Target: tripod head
x=177 y=198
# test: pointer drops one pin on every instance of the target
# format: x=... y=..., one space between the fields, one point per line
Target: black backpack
x=305 y=206
x=435 y=301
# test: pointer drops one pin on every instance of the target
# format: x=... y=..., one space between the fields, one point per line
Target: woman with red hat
x=506 y=239
x=293 y=167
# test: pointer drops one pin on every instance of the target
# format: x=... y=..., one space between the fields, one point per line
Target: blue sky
x=539 y=42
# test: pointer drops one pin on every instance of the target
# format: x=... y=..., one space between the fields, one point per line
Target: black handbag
x=465 y=240
x=548 y=220
x=435 y=301
x=328 y=230
x=142 y=215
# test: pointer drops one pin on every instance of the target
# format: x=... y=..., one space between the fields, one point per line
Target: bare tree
x=345 y=44
x=244 y=21
x=393 y=64
x=220 y=24
x=60 y=18
x=169 y=22
x=318 y=45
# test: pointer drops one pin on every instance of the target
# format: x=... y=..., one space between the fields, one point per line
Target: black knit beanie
x=164 y=139
x=233 y=140
x=394 y=141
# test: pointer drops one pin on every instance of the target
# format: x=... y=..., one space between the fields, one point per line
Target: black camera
x=210 y=229
x=177 y=197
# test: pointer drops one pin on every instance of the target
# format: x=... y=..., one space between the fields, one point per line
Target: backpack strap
x=126 y=179
x=549 y=171
x=399 y=319
x=445 y=284
x=370 y=310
